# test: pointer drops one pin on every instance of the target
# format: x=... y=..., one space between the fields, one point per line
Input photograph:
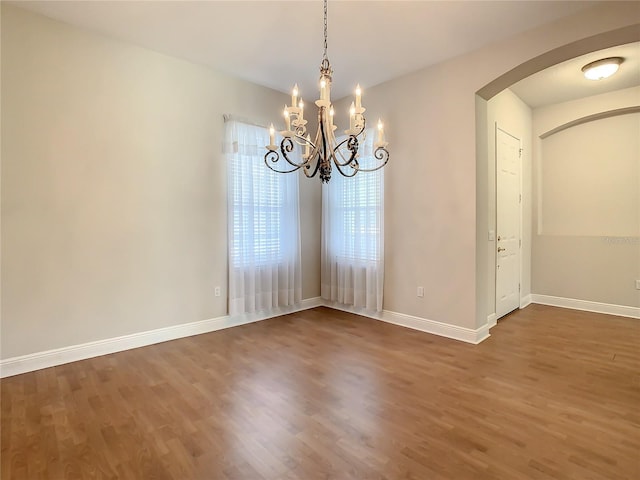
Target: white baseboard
x=525 y=301
x=463 y=334
x=492 y=319
x=586 y=305
x=51 y=358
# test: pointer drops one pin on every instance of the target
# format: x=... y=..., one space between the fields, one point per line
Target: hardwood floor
x=322 y=394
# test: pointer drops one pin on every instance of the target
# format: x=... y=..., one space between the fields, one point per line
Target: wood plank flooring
x=322 y=394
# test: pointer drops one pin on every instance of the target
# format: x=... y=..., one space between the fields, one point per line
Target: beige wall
x=436 y=206
x=113 y=217
x=512 y=115
x=114 y=186
x=586 y=243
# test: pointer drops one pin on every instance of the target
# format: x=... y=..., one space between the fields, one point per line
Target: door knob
x=500 y=249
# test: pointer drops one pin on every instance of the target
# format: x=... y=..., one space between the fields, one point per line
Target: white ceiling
x=566 y=81
x=278 y=43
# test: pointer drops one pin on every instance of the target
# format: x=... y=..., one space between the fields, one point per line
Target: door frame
x=497 y=127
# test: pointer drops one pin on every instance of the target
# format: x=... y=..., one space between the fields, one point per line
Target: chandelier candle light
x=324 y=150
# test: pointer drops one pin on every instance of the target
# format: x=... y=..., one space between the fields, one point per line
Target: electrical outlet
x=637 y=284
x=421 y=291
x=217 y=291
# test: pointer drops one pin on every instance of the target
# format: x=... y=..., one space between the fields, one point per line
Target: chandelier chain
x=325 y=30
x=325 y=151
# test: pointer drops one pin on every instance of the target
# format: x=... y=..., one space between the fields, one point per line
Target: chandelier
x=324 y=151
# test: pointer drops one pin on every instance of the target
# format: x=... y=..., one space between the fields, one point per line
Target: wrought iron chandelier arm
x=303 y=141
x=352 y=146
x=352 y=143
x=273 y=157
x=308 y=168
x=313 y=156
x=380 y=153
x=314 y=153
x=324 y=152
x=286 y=146
x=347 y=138
x=354 y=167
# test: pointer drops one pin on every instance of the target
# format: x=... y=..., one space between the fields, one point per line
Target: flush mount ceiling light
x=602 y=68
x=325 y=150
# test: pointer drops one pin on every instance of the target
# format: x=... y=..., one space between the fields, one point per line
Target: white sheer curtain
x=353 y=235
x=263 y=225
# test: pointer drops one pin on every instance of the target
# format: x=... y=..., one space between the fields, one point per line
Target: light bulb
x=380 y=142
x=602 y=69
x=272 y=134
x=287 y=120
x=601 y=72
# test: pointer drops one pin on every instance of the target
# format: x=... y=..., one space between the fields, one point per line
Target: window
x=257 y=216
x=264 y=246
x=356 y=204
x=353 y=235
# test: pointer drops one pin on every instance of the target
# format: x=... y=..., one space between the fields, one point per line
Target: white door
x=508 y=200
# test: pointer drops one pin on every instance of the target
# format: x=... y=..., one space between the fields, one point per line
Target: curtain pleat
x=263 y=225
x=352 y=256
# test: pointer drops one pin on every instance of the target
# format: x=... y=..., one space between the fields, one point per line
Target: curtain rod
x=234 y=118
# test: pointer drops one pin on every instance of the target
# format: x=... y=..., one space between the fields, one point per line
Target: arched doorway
x=485 y=265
